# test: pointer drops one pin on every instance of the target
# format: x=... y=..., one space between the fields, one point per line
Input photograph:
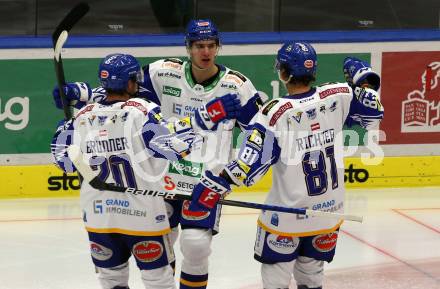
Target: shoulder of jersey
x=235 y=77
x=139 y=104
x=170 y=63
x=275 y=109
x=333 y=88
x=86 y=109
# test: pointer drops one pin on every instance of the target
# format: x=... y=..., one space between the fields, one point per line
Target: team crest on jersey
x=269 y=106
x=124 y=116
x=311 y=113
x=285 y=107
x=325 y=243
x=193 y=215
x=148 y=251
x=297 y=116
x=102 y=119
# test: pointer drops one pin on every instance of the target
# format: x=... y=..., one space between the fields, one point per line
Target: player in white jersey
x=300 y=136
x=179 y=87
x=128 y=141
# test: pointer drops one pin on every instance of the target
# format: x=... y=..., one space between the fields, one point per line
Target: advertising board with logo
x=411 y=97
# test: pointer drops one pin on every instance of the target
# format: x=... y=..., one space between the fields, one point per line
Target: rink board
x=42 y=181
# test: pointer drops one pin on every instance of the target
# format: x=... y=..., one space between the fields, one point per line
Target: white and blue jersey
x=301 y=137
x=127 y=143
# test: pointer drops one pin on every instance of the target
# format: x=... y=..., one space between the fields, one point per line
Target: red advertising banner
x=410 y=94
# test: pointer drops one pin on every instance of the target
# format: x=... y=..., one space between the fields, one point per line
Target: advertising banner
x=411 y=97
x=28 y=117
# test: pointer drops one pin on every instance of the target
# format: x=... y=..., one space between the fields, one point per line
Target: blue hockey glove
x=225 y=107
x=358 y=73
x=208 y=192
x=77 y=93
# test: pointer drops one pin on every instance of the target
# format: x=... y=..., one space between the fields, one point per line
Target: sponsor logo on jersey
x=160 y=218
x=173 y=91
x=63 y=182
x=238 y=74
x=285 y=107
x=169 y=75
x=282 y=244
x=148 y=251
x=324 y=205
x=85 y=110
x=97 y=206
x=100 y=252
x=177 y=108
x=325 y=243
x=196 y=99
x=229 y=86
x=269 y=106
x=186 y=168
x=234 y=78
x=355 y=175
x=137 y=105
x=333 y=90
x=193 y=215
x=307 y=99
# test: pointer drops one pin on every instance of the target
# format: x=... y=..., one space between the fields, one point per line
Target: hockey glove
x=226 y=107
x=358 y=73
x=208 y=192
x=77 y=93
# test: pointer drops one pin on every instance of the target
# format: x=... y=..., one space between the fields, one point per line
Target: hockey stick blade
x=70 y=20
x=91 y=177
x=59 y=44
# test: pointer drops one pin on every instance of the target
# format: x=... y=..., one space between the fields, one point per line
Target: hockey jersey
x=169 y=83
x=127 y=143
x=301 y=137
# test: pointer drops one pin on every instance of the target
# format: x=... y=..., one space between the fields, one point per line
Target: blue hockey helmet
x=299 y=58
x=116 y=69
x=201 y=29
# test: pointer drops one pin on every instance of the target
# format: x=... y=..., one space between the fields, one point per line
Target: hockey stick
x=91 y=177
x=59 y=37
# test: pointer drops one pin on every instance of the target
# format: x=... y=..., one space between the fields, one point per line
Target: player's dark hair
x=303 y=79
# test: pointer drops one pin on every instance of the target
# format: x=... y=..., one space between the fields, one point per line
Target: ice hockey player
x=179 y=87
x=127 y=140
x=300 y=136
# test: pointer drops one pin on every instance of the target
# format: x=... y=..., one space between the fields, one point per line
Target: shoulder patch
x=238 y=74
x=333 y=90
x=135 y=104
x=85 y=109
x=269 y=106
x=174 y=60
x=281 y=110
